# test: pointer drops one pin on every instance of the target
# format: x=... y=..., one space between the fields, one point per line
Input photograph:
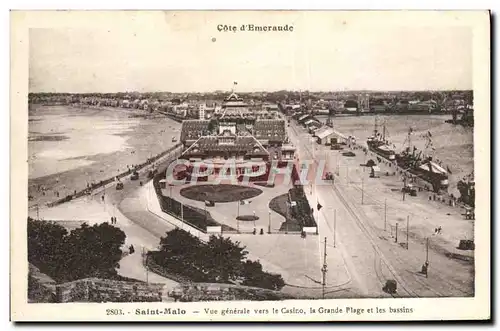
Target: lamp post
x=426 y=257
x=407 y=231
x=427 y=250
x=324 y=270
x=269 y=225
x=334 y=226
x=385 y=215
x=362 y=189
x=396 y=232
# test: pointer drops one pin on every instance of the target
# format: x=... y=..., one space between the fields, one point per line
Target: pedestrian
x=102 y=198
x=112 y=220
x=439 y=230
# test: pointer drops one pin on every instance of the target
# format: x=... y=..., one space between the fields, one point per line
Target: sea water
x=452 y=145
x=69 y=147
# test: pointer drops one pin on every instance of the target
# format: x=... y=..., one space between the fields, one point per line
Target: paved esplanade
x=371 y=253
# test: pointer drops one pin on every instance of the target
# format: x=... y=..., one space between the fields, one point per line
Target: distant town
x=187 y=105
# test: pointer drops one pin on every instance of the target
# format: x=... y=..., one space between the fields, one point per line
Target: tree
x=85 y=252
x=45 y=245
x=178 y=243
x=94 y=251
x=225 y=259
x=255 y=276
x=179 y=250
x=219 y=260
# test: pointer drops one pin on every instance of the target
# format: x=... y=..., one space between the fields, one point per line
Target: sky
x=185 y=52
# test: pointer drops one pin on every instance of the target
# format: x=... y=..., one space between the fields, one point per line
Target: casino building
x=239 y=133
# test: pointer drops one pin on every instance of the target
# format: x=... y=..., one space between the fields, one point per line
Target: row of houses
x=363 y=104
x=144 y=104
x=193 y=109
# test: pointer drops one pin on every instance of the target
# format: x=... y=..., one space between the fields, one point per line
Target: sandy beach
x=69 y=147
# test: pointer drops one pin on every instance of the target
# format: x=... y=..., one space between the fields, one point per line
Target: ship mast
x=409 y=141
x=383 y=133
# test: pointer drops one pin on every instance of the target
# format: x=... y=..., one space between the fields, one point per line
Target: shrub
x=88 y=251
x=218 y=261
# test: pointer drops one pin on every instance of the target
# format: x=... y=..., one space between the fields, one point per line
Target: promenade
x=368 y=232
x=142 y=229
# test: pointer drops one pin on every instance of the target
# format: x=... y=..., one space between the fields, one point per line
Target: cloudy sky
x=185 y=52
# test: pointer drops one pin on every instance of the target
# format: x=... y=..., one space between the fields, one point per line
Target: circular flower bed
x=220 y=193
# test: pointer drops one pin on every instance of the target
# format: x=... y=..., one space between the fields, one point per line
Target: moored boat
x=425 y=168
x=378 y=144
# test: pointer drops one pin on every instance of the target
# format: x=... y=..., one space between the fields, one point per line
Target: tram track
x=412 y=282
x=436 y=276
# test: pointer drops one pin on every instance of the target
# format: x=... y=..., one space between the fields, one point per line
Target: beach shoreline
x=142 y=140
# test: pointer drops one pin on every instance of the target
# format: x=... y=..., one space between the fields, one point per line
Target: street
x=373 y=258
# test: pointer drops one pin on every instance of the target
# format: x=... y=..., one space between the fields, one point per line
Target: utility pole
x=407 y=231
x=427 y=258
x=269 y=225
x=182 y=212
x=427 y=251
x=404 y=187
x=362 y=189
x=385 y=215
x=334 y=226
x=396 y=232
x=324 y=270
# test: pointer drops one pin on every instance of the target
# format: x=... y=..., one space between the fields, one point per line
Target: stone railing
x=103 y=290
x=224 y=292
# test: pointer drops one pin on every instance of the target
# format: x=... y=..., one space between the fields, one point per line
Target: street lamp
x=269 y=225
